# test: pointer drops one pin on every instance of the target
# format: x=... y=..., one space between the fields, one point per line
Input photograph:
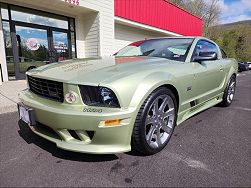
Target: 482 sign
x=74 y=2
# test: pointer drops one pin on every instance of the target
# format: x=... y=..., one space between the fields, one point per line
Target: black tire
x=32 y=67
x=226 y=98
x=139 y=141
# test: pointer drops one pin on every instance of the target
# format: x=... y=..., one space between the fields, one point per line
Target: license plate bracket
x=26 y=114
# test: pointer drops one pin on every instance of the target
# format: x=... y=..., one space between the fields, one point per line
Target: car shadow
x=135 y=153
x=31 y=138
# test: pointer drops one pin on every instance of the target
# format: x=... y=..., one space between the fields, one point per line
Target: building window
x=34 y=38
x=7 y=43
x=4 y=12
x=40 y=18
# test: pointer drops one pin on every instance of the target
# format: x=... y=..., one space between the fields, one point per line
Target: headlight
x=108 y=97
x=70 y=97
x=99 y=96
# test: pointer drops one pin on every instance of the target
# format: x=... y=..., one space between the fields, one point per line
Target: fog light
x=112 y=122
x=70 y=97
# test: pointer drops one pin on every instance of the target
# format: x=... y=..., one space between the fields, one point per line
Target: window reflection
x=8 y=48
x=4 y=13
x=19 y=15
x=32 y=47
x=60 y=44
x=7 y=38
x=32 y=43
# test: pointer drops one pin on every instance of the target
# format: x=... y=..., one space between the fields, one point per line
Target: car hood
x=96 y=70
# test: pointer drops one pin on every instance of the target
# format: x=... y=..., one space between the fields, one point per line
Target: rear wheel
x=155 y=122
x=229 y=92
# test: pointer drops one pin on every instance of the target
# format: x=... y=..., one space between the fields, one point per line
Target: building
x=37 y=32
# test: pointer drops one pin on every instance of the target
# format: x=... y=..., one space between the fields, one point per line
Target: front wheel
x=155 y=122
x=229 y=92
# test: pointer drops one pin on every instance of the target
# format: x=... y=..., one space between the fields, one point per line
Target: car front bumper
x=56 y=121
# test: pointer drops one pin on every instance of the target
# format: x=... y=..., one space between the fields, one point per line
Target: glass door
x=38 y=46
x=60 y=46
x=32 y=47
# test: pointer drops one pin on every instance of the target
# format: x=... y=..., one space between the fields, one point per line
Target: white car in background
x=249 y=65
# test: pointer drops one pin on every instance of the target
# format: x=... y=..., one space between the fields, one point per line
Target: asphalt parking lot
x=212 y=148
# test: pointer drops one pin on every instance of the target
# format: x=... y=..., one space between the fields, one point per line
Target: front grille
x=46 y=88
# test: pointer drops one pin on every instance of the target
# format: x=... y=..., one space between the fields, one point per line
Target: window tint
x=169 y=48
x=205 y=46
x=224 y=55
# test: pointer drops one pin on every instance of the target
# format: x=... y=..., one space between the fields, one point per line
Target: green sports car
x=25 y=64
x=130 y=101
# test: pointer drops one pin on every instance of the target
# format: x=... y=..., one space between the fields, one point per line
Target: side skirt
x=182 y=116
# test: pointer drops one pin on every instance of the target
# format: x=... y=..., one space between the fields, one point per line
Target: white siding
x=125 y=35
x=80 y=41
x=91 y=35
x=104 y=24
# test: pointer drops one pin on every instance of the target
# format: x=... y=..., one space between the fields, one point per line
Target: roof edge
x=125 y=21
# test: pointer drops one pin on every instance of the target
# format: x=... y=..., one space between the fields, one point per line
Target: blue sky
x=235 y=10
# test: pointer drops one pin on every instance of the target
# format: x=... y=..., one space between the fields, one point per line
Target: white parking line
x=242 y=108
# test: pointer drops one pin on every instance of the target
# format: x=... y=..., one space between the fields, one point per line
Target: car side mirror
x=205 y=56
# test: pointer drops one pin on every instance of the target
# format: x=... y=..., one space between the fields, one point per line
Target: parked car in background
x=131 y=101
x=249 y=65
x=25 y=64
x=243 y=66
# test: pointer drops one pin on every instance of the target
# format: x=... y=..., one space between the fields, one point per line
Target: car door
x=209 y=74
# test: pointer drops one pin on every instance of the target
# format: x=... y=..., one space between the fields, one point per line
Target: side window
x=27 y=60
x=204 y=46
x=224 y=55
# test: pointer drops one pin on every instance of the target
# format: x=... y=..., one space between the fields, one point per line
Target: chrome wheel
x=230 y=91
x=159 y=122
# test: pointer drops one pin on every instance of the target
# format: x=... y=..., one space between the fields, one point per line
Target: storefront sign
x=74 y=2
x=32 y=44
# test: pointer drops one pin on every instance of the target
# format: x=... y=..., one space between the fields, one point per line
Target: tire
x=229 y=92
x=32 y=67
x=153 y=127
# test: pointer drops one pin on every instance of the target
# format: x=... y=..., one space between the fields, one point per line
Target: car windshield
x=170 y=48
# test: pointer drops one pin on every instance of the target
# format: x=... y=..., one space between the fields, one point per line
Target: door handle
x=221 y=68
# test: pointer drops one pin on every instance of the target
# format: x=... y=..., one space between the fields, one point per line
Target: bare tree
x=179 y=3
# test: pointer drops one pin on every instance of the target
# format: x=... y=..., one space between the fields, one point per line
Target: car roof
x=180 y=37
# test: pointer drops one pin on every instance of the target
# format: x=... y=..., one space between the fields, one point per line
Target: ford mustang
x=130 y=101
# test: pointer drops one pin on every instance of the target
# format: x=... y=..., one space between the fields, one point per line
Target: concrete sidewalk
x=9 y=95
